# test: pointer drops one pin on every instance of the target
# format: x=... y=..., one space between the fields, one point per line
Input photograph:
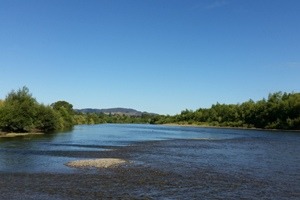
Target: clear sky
x=158 y=56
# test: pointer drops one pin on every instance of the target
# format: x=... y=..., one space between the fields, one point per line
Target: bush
x=20 y=113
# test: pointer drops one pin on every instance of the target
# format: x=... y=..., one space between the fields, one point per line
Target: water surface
x=189 y=161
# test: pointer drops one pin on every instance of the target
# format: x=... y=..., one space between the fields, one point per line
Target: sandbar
x=97 y=163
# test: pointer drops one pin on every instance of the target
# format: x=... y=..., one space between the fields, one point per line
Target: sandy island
x=98 y=163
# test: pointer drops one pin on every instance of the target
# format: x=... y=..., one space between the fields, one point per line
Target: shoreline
x=12 y=135
x=227 y=127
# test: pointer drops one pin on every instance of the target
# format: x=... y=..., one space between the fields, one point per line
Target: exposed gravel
x=98 y=163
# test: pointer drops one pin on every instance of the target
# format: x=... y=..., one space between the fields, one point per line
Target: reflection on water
x=239 y=149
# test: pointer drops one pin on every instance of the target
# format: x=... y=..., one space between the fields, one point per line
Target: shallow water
x=48 y=153
x=191 y=161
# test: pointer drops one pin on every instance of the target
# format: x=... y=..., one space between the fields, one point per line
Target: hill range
x=115 y=111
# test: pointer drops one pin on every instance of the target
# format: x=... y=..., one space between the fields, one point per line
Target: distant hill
x=114 y=111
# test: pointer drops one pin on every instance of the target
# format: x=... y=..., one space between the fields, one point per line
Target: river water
x=191 y=162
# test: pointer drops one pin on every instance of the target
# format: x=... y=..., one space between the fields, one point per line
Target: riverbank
x=11 y=135
x=227 y=127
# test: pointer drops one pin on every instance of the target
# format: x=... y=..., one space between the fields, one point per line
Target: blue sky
x=158 y=56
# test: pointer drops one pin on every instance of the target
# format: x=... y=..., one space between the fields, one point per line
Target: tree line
x=20 y=112
x=100 y=118
x=279 y=111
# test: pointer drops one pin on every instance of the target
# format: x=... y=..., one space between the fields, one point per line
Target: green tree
x=18 y=111
x=279 y=111
x=69 y=107
x=47 y=120
x=66 y=114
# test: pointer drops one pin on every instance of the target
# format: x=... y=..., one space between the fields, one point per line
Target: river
x=166 y=162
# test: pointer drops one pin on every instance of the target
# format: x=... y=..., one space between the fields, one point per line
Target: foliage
x=279 y=111
x=59 y=104
x=47 y=119
x=100 y=118
x=20 y=112
x=65 y=113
